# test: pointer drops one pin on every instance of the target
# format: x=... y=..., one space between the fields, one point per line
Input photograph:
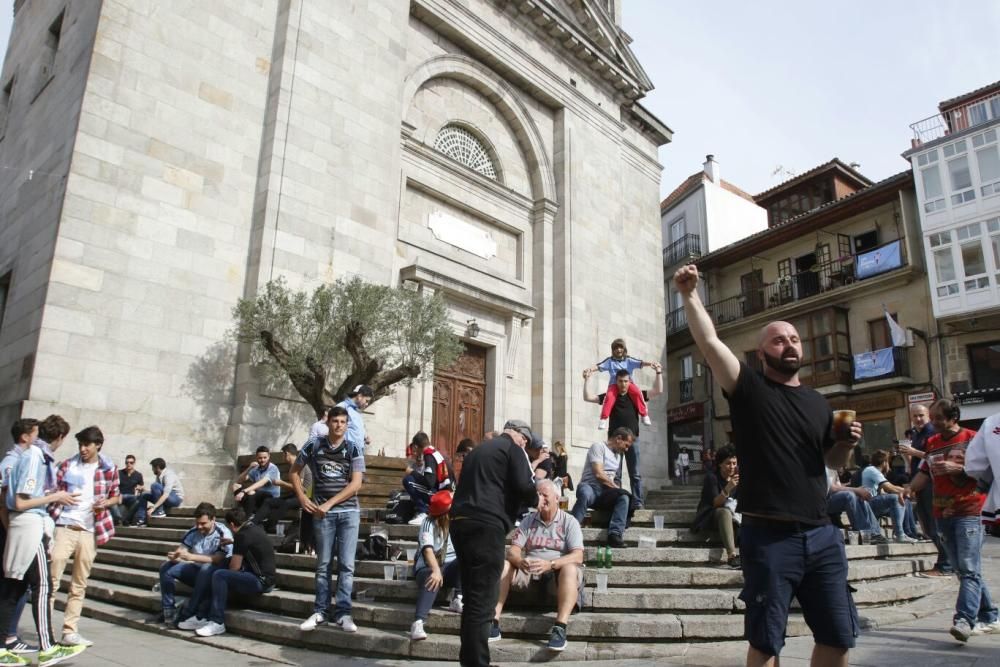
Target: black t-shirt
x=496 y=479
x=253 y=544
x=781 y=435
x=624 y=413
x=127 y=482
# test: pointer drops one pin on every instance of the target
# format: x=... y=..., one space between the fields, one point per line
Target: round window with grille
x=462 y=146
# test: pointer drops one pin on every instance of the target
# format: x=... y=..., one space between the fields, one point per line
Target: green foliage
x=295 y=334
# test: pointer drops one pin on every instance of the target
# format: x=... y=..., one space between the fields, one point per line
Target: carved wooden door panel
x=460 y=401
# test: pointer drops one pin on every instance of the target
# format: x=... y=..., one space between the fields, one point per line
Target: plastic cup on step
x=402 y=571
x=280 y=530
x=646 y=542
x=658 y=521
x=388 y=571
x=364 y=596
x=411 y=553
x=602 y=582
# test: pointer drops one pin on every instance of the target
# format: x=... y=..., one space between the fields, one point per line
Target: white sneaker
x=417 y=520
x=986 y=628
x=310 y=623
x=456 y=604
x=417 y=631
x=211 y=629
x=192 y=623
x=346 y=624
x=75 y=639
x=903 y=539
x=647 y=421
x=602 y=425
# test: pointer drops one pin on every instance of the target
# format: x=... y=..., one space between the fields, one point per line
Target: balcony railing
x=687 y=390
x=958 y=119
x=821 y=278
x=684 y=248
x=676 y=320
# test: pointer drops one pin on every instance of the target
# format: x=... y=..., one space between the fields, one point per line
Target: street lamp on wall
x=472 y=328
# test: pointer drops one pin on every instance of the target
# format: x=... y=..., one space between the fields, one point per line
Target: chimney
x=712 y=168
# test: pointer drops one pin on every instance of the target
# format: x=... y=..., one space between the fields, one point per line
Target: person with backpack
x=436 y=567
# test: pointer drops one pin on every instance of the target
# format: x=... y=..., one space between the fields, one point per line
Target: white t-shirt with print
x=80 y=477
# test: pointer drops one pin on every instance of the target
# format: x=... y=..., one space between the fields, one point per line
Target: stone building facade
x=166 y=159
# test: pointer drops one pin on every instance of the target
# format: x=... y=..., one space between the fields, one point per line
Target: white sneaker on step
x=417 y=520
x=417 y=631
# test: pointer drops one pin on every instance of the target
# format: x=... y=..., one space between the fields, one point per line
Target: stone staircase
x=660 y=598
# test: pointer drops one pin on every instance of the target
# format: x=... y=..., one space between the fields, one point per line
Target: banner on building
x=880 y=260
x=874 y=364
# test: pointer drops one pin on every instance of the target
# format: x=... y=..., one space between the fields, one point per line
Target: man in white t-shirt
x=546 y=550
x=82 y=527
x=600 y=484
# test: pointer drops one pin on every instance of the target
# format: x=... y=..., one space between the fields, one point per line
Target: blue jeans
x=963 y=539
x=425 y=598
x=925 y=511
x=338 y=530
x=602 y=497
x=151 y=496
x=196 y=575
x=858 y=511
x=237 y=580
x=124 y=511
x=887 y=504
x=635 y=477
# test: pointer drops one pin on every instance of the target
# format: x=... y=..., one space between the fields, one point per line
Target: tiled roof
x=694 y=180
x=777 y=230
x=834 y=163
x=968 y=96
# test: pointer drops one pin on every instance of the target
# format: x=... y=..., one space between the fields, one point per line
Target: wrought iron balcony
x=685 y=248
x=687 y=390
x=676 y=320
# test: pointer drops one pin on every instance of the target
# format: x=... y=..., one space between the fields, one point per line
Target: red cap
x=440 y=503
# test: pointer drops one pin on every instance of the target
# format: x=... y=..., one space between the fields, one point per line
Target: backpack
x=375 y=547
x=400 y=508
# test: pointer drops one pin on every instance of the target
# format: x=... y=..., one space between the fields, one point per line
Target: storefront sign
x=925 y=397
x=865 y=403
x=685 y=413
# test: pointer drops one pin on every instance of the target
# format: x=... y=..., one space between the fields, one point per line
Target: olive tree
x=344 y=334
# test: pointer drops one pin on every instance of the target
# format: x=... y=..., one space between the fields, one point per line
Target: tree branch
x=384 y=381
x=304 y=381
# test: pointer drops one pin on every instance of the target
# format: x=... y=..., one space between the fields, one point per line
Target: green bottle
x=600 y=557
x=607 y=558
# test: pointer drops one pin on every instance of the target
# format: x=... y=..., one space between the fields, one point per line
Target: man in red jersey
x=957 y=503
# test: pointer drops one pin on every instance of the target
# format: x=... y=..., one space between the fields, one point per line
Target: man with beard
x=784 y=439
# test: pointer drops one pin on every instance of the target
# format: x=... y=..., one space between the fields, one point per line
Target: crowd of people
x=773 y=498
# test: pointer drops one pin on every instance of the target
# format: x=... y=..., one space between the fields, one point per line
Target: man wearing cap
x=496 y=480
x=357 y=400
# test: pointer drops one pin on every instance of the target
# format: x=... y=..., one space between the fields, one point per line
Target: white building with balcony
x=702 y=214
x=955 y=156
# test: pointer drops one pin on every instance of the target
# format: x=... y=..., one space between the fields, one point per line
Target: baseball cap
x=363 y=389
x=440 y=503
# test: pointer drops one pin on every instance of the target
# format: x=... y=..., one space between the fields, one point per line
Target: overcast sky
x=794 y=83
x=789 y=84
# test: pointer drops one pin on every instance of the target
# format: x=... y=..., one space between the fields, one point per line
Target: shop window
x=984 y=360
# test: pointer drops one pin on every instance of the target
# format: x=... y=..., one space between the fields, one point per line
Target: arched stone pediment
x=504 y=97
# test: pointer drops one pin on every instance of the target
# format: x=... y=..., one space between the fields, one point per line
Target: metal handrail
x=687 y=246
x=958 y=119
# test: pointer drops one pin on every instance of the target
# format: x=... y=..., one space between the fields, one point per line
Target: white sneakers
x=417 y=631
x=193 y=623
x=903 y=539
x=986 y=628
x=310 y=623
x=75 y=639
x=602 y=425
x=346 y=624
x=211 y=629
x=456 y=604
x=647 y=421
x=417 y=520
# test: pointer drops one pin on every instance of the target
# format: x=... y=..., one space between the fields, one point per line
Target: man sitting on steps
x=600 y=486
x=854 y=501
x=546 y=551
x=205 y=548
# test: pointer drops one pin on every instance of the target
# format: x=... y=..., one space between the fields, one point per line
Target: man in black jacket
x=496 y=480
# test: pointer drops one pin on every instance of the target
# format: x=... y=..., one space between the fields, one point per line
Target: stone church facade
x=163 y=160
